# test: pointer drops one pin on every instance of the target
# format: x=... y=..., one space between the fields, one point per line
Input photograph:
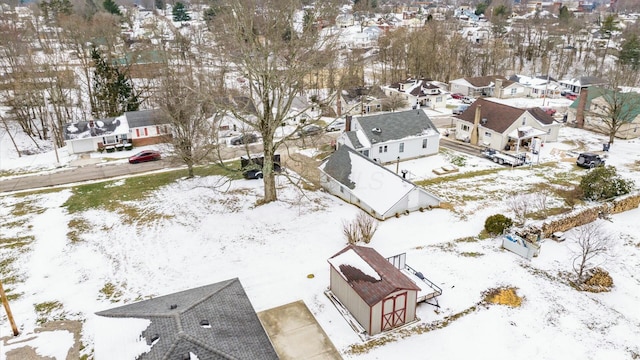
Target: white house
x=476 y=86
x=87 y=136
x=577 y=84
x=375 y=189
x=392 y=137
x=419 y=93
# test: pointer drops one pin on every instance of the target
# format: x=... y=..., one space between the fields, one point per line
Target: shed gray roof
x=144 y=118
x=234 y=331
x=396 y=126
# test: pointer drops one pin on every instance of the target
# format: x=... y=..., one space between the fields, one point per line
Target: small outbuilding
x=376 y=293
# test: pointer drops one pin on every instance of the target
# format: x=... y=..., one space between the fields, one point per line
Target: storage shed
x=378 y=295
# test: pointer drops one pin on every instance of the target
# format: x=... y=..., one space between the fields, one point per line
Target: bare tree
x=274 y=48
x=592 y=243
x=362 y=228
x=519 y=204
x=612 y=108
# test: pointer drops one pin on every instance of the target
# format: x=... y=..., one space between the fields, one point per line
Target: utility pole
x=5 y=302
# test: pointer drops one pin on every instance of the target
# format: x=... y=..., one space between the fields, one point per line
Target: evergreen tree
x=564 y=14
x=113 y=91
x=54 y=8
x=159 y=4
x=180 y=12
x=111 y=7
x=630 y=52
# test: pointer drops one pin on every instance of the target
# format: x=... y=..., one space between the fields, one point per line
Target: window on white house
x=439 y=99
x=464 y=127
x=513 y=91
x=524 y=120
x=487 y=134
x=424 y=143
x=385 y=148
x=380 y=149
x=401 y=147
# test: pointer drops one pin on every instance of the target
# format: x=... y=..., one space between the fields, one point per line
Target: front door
x=394 y=311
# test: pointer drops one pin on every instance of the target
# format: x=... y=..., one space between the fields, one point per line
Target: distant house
x=476 y=86
x=539 y=86
x=392 y=136
x=374 y=188
x=87 y=136
x=377 y=294
x=504 y=127
x=506 y=89
x=139 y=128
x=596 y=100
x=577 y=84
x=216 y=321
x=147 y=127
x=357 y=101
x=418 y=93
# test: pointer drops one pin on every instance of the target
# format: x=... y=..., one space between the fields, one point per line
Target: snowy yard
x=195 y=232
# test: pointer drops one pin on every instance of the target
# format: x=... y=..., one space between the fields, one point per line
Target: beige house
x=502 y=127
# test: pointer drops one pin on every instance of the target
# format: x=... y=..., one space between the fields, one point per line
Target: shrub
x=604 y=183
x=361 y=228
x=497 y=224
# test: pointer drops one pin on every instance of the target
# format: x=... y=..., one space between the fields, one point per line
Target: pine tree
x=180 y=12
x=111 y=7
x=113 y=91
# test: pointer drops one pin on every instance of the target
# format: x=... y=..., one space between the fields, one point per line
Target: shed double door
x=394 y=311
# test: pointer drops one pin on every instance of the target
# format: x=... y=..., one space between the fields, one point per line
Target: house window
x=487 y=134
x=513 y=91
x=342 y=189
x=137 y=132
x=157 y=130
x=146 y=133
x=464 y=127
x=365 y=153
x=401 y=147
x=385 y=148
x=439 y=99
x=424 y=143
x=524 y=121
x=380 y=149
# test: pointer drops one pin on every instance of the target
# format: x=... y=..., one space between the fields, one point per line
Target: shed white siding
x=359 y=309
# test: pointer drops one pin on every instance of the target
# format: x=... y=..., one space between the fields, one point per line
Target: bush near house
x=497 y=224
x=604 y=183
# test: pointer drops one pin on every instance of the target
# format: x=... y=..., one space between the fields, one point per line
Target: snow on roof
x=119 y=338
x=376 y=186
x=351 y=258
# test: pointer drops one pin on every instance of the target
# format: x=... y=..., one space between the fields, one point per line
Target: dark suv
x=589 y=160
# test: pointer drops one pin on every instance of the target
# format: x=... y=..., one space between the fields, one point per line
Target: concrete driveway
x=295 y=333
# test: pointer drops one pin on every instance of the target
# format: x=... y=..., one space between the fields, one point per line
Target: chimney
x=347 y=123
x=498 y=89
x=476 y=123
x=582 y=106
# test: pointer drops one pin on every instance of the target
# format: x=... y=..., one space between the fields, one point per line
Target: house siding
x=336 y=188
x=359 y=309
x=412 y=149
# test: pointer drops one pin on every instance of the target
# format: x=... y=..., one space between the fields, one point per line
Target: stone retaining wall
x=585 y=216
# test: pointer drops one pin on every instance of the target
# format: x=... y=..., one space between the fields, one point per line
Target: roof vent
x=173 y=306
x=376 y=130
x=483 y=121
x=205 y=324
x=154 y=339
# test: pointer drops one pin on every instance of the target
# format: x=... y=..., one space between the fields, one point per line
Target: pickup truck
x=505 y=159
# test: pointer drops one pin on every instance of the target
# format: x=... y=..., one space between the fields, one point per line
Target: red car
x=457 y=96
x=143 y=156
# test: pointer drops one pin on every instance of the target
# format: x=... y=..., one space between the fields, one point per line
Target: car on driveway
x=244 y=139
x=309 y=130
x=337 y=125
x=256 y=173
x=468 y=100
x=460 y=109
x=589 y=160
x=144 y=156
x=457 y=96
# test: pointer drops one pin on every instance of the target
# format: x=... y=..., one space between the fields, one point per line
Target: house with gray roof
x=479 y=86
x=377 y=190
x=215 y=321
x=577 y=84
x=147 y=127
x=393 y=136
x=419 y=93
x=504 y=127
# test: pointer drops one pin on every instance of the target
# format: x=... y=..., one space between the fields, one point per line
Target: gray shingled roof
x=144 y=118
x=234 y=330
x=396 y=126
x=338 y=166
x=353 y=137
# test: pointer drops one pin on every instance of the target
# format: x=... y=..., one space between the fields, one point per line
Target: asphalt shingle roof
x=396 y=126
x=499 y=116
x=369 y=289
x=144 y=118
x=233 y=331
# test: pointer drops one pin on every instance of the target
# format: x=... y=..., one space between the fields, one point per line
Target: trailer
x=504 y=158
x=428 y=290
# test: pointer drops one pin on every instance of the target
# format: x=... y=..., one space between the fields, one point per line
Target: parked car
x=589 y=160
x=337 y=125
x=309 y=130
x=468 y=100
x=570 y=95
x=457 y=96
x=144 y=156
x=550 y=111
x=244 y=139
x=460 y=109
x=256 y=173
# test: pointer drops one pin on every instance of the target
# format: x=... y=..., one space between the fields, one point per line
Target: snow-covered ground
x=201 y=233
